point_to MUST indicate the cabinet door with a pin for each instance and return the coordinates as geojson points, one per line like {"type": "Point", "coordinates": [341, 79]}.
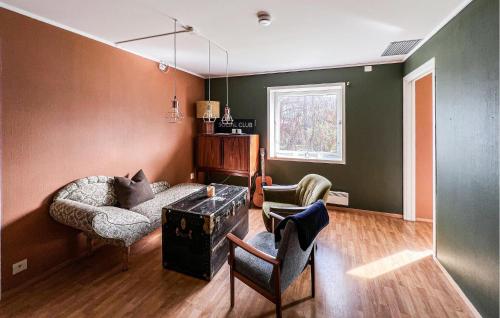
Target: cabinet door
{"type": "Point", "coordinates": [209, 152]}
{"type": "Point", "coordinates": [236, 153]}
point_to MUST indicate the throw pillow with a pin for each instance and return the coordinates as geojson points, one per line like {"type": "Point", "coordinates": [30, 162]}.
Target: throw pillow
{"type": "Point", "coordinates": [131, 192]}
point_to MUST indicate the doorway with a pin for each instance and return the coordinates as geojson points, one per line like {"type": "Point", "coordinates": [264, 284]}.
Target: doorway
{"type": "Point", "coordinates": [419, 146]}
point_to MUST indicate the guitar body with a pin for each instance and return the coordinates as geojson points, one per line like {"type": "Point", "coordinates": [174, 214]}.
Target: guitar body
{"type": "Point", "coordinates": [258, 196]}
{"type": "Point", "coordinates": [263, 180]}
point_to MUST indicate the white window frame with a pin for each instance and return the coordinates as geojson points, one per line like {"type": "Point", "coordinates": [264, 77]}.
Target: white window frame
{"type": "Point", "coordinates": [273, 92]}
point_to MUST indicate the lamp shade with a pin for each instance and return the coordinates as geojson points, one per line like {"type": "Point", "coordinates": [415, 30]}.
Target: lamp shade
{"type": "Point", "coordinates": [201, 108]}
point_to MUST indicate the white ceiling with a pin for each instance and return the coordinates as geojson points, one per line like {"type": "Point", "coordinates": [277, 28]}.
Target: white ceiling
{"type": "Point", "coordinates": [304, 34]}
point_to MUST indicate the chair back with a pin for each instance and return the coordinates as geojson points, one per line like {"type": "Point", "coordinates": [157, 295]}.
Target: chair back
{"type": "Point", "coordinates": [312, 188]}
{"type": "Point", "coordinates": [293, 258]}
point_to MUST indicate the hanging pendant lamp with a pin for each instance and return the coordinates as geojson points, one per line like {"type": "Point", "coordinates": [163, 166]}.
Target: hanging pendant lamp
{"type": "Point", "coordinates": [209, 116]}
{"type": "Point", "coordinates": [175, 115]}
{"type": "Point", "coordinates": [227, 119]}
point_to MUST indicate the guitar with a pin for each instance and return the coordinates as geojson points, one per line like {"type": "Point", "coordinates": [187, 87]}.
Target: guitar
{"type": "Point", "coordinates": [263, 180]}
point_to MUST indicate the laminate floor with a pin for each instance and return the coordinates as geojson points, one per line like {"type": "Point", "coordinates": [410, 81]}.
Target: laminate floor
{"type": "Point", "coordinates": [368, 265]}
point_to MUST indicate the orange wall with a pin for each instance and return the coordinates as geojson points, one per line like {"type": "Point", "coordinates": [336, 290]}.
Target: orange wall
{"type": "Point", "coordinates": [423, 144]}
{"type": "Point", "coordinates": [73, 107]}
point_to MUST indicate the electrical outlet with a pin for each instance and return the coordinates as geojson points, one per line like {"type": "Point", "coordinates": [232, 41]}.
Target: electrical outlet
{"type": "Point", "coordinates": [192, 175]}
{"type": "Point", "coordinates": [20, 266]}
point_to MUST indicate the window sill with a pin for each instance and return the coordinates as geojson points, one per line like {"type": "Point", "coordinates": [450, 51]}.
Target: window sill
{"type": "Point", "coordinates": [339, 162]}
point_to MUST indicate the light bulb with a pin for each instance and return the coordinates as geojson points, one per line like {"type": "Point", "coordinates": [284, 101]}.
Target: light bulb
{"type": "Point", "coordinates": [208, 116]}
{"type": "Point", "coordinates": [227, 119]}
{"type": "Point", "coordinates": [175, 115]}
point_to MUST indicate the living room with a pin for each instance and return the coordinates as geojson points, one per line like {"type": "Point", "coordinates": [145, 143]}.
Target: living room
{"type": "Point", "coordinates": [257, 159]}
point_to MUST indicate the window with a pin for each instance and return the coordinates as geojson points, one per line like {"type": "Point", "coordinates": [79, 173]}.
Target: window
{"type": "Point", "coordinates": [306, 123]}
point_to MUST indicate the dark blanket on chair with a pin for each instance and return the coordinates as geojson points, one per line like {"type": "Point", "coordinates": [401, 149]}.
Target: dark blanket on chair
{"type": "Point", "coordinates": [309, 223]}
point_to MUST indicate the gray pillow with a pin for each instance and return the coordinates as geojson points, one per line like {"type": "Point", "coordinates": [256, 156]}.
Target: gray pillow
{"type": "Point", "coordinates": [131, 192]}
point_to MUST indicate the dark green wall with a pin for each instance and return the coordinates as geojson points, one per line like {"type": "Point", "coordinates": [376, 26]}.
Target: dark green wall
{"type": "Point", "coordinates": [467, 205]}
{"type": "Point", "coordinates": [373, 174]}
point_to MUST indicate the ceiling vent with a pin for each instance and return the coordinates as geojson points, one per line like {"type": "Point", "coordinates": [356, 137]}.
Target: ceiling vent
{"type": "Point", "coordinates": [400, 47]}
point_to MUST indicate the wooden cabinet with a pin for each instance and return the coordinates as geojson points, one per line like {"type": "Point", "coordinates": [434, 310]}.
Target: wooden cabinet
{"type": "Point", "coordinates": [228, 154]}
{"type": "Point", "coordinates": [209, 152]}
{"type": "Point", "coordinates": [236, 153]}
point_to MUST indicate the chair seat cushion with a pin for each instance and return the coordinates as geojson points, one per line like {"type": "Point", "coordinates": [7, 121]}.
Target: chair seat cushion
{"type": "Point", "coordinates": [253, 267]}
{"type": "Point", "coordinates": [266, 207]}
{"type": "Point", "coordinates": [152, 208]}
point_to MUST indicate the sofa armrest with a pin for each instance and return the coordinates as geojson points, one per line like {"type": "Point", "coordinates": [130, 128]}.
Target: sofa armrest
{"type": "Point", "coordinates": [118, 226]}
{"type": "Point", "coordinates": [122, 226]}
{"type": "Point", "coordinates": [282, 194]}
{"type": "Point", "coordinates": [159, 186]}
{"type": "Point", "coordinates": [75, 214]}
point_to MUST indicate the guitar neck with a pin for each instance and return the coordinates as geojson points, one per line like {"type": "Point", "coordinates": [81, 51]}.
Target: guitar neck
{"type": "Point", "coordinates": [263, 163]}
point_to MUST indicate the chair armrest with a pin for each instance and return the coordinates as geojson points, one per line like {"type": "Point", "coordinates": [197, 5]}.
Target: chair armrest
{"type": "Point", "coordinates": [234, 240]}
{"type": "Point", "coordinates": [287, 210]}
{"type": "Point", "coordinates": [275, 216]}
{"type": "Point", "coordinates": [278, 193]}
{"type": "Point", "coordinates": [277, 187]}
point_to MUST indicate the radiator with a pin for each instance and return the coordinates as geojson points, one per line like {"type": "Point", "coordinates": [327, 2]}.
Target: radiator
{"type": "Point", "coordinates": [338, 198]}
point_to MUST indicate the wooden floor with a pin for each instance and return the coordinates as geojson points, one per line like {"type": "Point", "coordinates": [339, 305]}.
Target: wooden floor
{"type": "Point", "coordinates": [367, 266]}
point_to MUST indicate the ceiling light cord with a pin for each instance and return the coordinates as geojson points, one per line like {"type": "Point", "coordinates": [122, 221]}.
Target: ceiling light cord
{"type": "Point", "coordinates": [175, 58]}
{"type": "Point", "coordinates": [209, 116]}
{"type": "Point", "coordinates": [209, 71]}
{"type": "Point", "coordinates": [175, 115]}
{"type": "Point", "coordinates": [227, 119]}
{"type": "Point", "coordinates": [227, 79]}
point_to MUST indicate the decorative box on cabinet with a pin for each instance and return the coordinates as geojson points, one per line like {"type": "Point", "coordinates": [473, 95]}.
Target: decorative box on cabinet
{"type": "Point", "coordinates": [235, 155]}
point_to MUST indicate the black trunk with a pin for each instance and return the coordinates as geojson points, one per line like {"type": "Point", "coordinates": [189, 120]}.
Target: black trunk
{"type": "Point", "coordinates": [195, 228]}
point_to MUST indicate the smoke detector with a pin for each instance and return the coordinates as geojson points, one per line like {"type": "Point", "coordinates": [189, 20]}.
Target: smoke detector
{"type": "Point", "coordinates": [264, 18]}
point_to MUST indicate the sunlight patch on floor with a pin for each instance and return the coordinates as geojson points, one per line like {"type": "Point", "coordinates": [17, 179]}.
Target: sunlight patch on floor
{"type": "Point", "coordinates": [388, 264]}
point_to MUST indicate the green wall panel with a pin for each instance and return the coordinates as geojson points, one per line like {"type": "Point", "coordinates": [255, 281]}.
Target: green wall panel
{"type": "Point", "coordinates": [466, 52]}
{"type": "Point", "coordinates": [373, 173]}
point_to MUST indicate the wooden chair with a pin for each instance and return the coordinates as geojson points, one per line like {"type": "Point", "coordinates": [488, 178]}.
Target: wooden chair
{"type": "Point", "coordinates": [268, 270]}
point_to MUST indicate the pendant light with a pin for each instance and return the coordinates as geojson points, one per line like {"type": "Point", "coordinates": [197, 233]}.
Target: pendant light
{"type": "Point", "coordinates": [208, 116]}
{"type": "Point", "coordinates": [175, 115]}
{"type": "Point", "coordinates": [227, 119]}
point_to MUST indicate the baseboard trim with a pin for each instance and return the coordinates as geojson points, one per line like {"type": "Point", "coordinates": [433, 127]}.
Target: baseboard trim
{"type": "Point", "coordinates": [423, 220]}
{"type": "Point", "coordinates": [457, 288]}
{"type": "Point", "coordinates": [350, 210]}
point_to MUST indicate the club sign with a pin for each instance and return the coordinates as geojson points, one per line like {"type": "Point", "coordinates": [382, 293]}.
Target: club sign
{"type": "Point", "coordinates": [247, 126]}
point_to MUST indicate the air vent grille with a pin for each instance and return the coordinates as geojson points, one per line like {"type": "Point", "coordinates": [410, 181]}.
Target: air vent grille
{"type": "Point", "coordinates": [400, 47]}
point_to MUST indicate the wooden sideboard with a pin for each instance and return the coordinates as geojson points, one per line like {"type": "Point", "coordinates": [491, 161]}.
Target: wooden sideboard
{"type": "Point", "coordinates": [236, 155]}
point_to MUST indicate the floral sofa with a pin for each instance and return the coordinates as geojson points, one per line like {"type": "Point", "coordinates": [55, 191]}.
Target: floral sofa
{"type": "Point", "coordinates": [90, 205]}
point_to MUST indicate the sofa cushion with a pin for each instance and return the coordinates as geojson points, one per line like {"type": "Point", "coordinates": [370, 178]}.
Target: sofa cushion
{"type": "Point", "coordinates": [152, 208]}
{"type": "Point", "coordinates": [131, 192]}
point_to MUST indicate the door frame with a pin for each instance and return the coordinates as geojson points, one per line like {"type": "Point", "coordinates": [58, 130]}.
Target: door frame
{"type": "Point", "coordinates": [409, 158]}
